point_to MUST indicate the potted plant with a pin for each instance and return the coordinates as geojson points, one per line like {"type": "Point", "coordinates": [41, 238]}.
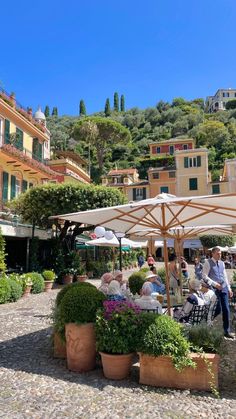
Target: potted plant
{"type": "Point", "coordinates": [49, 277]}
{"type": "Point", "coordinates": [81, 274]}
{"type": "Point", "coordinates": [116, 326]}
{"type": "Point", "coordinates": [68, 275]}
{"type": "Point", "coordinates": [26, 285]}
{"type": "Point", "coordinates": [77, 313]}
{"type": "Point", "coordinates": [166, 359]}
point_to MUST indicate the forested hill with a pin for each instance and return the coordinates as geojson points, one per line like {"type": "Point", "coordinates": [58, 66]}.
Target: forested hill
{"type": "Point", "coordinates": [180, 118]}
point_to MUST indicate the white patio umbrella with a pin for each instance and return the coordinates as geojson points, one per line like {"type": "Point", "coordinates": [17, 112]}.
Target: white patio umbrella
{"type": "Point", "coordinates": [162, 212]}
{"type": "Point", "coordinates": [102, 241]}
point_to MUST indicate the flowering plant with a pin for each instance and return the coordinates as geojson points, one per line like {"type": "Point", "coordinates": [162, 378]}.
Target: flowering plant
{"type": "Point", "coordinates": [116, 327]}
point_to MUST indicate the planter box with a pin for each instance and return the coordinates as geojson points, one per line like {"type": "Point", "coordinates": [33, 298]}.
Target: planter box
{"type": "Point", "coordinates": [80, 347]}
{"type": "Point", "coordinates": [160, 372]}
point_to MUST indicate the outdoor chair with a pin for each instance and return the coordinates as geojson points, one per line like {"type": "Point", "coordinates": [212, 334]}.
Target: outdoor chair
{"type": "Point", "coordinates": [198, 314]}
{"type": "Point", "coordinates": [150, 310]}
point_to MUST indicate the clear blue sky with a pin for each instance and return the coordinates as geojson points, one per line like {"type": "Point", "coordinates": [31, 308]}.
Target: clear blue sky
{"type": "Point", "coordinates": [57, 52]}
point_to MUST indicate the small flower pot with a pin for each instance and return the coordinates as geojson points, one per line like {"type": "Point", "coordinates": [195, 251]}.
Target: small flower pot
{"type": "Point", "coordinates": [68, 279]}
{"type": "Point", "coordinates": [116, 367]}
{"type": "Point", "coordinates": [48, 286]}
{"type": "Point", "coordinates": [81, 278]}
{"type": "Point", "coordinates": [27, 291]}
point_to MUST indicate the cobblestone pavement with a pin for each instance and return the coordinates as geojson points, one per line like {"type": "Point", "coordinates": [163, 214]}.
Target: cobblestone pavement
{"type": "Point", "coordinates": [34, 385]}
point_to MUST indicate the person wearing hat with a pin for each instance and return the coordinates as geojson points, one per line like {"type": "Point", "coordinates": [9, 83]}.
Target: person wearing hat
{"type": "Point", "coordinates": [157, 284]}
{"type": "Point", "coordinates": [105, 281]}
{"type": "Point", "coordinates": [195, 298]}
{"type": "Point", "coordinates": [114, 291]}
{"type": "Point", "coordinates": [118, 276]}
{"type": "Point", "coordinates": [146, 302]}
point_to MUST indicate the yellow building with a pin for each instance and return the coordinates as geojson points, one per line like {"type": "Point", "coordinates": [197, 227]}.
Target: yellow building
{"type": "Point", "coordinates": [71, 167]}
{"type": "Point", "coordinates": [128, 182]}
{"type": "Point", "coordinates": [162, 180]}
{"type": "Point", "coordinates": [24, 147]}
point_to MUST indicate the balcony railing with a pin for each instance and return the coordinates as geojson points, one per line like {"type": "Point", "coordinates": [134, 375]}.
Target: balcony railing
{"type": "Point", "coordinates": [24, 150]}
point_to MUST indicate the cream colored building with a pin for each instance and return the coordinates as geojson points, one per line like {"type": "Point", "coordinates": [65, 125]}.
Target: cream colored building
{"type": "Point", "coordinates": [218, 101]}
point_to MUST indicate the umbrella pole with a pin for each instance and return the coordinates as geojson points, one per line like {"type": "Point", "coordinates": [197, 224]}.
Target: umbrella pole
{"type": "Point", "coordinates": [167, 275]}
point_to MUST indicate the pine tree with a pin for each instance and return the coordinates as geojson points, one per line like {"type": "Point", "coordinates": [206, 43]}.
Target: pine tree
{"type": "Point", "coordinates": [47, 111]}
{"type": "Point", "coordinates": [107, 109]}
{"type": "Point", "coordinates": [122, 103]}
{"type": "Point", "coordinates": [54, 111]}
{"type": "Point", "coordinates": [82, 108]}
{"type": "Point", "coordinates": [116, 102]}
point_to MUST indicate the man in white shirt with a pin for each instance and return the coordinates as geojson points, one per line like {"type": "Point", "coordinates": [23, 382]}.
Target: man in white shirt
{"type": "Point", "coordinates": [214, 275]}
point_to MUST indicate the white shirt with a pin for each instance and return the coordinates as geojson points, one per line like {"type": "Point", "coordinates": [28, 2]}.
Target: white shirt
{"type": "Point", "coordinates": [146, 302]}
{"type": "Point", "coordinates": [205, 272]}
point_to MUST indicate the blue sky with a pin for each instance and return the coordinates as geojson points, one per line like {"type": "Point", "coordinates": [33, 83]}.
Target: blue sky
{"type": "Point", "coordinates": [57, 52]}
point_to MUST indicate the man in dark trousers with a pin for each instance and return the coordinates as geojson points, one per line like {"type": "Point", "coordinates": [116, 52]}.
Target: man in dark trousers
{"type": "Point", "coordinates": [214, 274]}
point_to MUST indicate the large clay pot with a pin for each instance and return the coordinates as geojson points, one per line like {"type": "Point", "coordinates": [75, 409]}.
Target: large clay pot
{"type": "Point", "coordinates": [68, 279]}
{"type": "Point", "coordinates": [27, 291]}
{"type": "Point", "coordinates": [160, 372]}
{"type": "Point", "coordinates": [81, 278]}
{"type": "Point", "coordinates": [59, 346]}
{"type": "Point", "coordinates": [116, 367]}
{"type": "Point", "coordinates": [48, 286]}
{"type": "Point", "coordinates": [80, 347]}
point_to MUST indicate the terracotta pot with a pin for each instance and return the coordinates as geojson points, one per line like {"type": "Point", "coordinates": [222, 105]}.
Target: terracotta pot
{"type": "Point", "coordinates": [59, 346]}
{"type": "Point", "coordinates": [80, 347]}
{"type": "Point", "coordinates": [160, 372]}
{"type": "Point", "coordinates": [81, 278]}
{"type": "Point", "coordinates": [68, 279]}
{"type": "Point", "coordinates": [48, 286]}
{"type": "Point", "coordinates": [27, 291]}
{"type": "Point", "coordinates": [116, 367]}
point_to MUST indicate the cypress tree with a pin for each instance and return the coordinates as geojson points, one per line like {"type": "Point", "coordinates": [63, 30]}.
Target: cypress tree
{"type": "Point", "coordinates": [47, 111]}
{"type": "Point", "coordinates": [54, 111]}
{"type": "Point", "coordinates": [82, 108]}
{"type": "Point", "coordinates": [107, 109]}
{"type": "Point", "coordinates": [116, 102]}
{"type": "Point", "coordinates": [122, 103]}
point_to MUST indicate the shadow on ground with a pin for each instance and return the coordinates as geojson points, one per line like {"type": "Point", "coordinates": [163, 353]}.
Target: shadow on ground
{"type": "Point", "coordinates": [32, 353]}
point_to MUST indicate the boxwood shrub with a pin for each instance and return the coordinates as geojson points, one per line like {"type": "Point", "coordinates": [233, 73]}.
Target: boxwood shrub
{"type": "Point", "coordinates": [136, 281]}
{"type": "Point", "coordinates": [16, 289]}
{"type": "Point", "coordinates": [37, 282]}
{"type": "Point", "coordinates": [65, 288]}
{"type": "Point", "coordinates": [5, 290]}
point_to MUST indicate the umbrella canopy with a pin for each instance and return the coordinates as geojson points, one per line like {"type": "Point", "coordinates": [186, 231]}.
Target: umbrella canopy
{"type": "Point", "coordinates": [102, 241]}
{"type": "Point", "coordinates": [163, 213]}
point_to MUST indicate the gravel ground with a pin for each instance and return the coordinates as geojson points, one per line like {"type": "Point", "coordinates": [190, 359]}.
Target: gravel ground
{"type": "Point", "coordinates": [34, 385]}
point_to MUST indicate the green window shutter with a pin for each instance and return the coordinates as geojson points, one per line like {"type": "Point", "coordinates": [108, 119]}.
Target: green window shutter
{"type": "Point", "coordinates": [144, 193]}
{"type": "Point", "coordinates": [215, 189]}
{"type": "Point", "coordinates": [7, 132]}
{"type": "Point", "coordinates": [5, 178]}
{"type": "Point", "coordinates": [199, 161]}
{"type": "Point", "coordinates": [186, 162]}
{"type": "Point", "coordinates": [164, 189]}
{"type": "Point", "coordinates": [24, 185]}
{"type": "Point", "coordinates": [40, 151]}
{"type": "Point", "coordinates": [193, 184]}
{"type": "Point", "coordinates": [134, 194]}
{"type": "Point", "coordinates": [13, 186]}
{"type": "Point", "coordinates": [19, 139]}
{"type": "Point", "coordinates": [35, 148]}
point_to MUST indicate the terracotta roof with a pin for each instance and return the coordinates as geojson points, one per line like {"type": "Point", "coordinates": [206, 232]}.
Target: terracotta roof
{"type": "Point", "coordinates": [122, 172]}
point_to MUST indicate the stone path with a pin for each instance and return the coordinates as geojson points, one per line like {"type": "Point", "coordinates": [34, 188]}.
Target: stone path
{"type": "Point", "coordinates": [34, 385]}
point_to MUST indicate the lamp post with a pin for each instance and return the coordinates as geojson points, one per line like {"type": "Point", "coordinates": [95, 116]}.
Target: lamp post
{"type": "Point", "coordinates": [119, 236]}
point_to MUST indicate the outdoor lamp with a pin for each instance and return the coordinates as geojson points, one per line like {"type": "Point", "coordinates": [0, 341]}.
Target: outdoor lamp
{"type": "Point", "coordinates": [109, 235]}
{"type": "Point", "coordinates": [119, 236]}
{"type": "Point", "coordinates": [99, 231]}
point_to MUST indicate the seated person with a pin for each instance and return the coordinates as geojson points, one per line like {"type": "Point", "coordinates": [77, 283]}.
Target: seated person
{"type": "Point", "coordinates": [114, 291]}
{"type": "Point", "coordinates": [210, 300]}
{"type": "Point", "coordinates": [155, 280]}
{"type": "Point", "coordinates": [118, 276]}
{"type": "Point", "coordinates": [195, 298]}
{"type": "Point", "coordinates": [105, 281]}
{"type": "Point", "coordinates": [146, 302]}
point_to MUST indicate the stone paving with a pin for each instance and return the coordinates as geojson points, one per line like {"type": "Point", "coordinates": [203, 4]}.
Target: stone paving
{"type": "Point", "coordinates": [34, 385]}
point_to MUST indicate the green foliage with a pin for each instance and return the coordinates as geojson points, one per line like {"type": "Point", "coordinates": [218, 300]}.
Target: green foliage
{"type": "Point", "coordinates": [37, 282]}
{"type": "Point", "coordinates": [122, 103]}
{"type": "Point", "coordinates": [79, 304]}
{"type": "Point", "coordinates": [205, 338]}
{"type": "Point", "coordinates": [82, 108]}
{"type": "Point", "coordinates": [165, 337]}
{"type": "Point", "coordinates": [231, 104]}
{"type": "Point", "coordinates": [48, 275]}
{"type": "Point", "coordinates": [212, 241]}
{"type": "Point", "coordinates": [161, 272]}
{"type": "Point", "coordinates": [54, 111]}
{"type": "Point", "coordinates": [136, 281]}
{"type": "Point", "coordinates": [2, 253]}
{"type": "Point", "coordinates": [47, 111]}
{"type": "Point", "coordinates": [116, 102]}
{"type": "Point", "coordinates": [234, 276]}
{"type": "Point", "coordinates": [65, 288]}
{"type": "Point", "coordinates": [116, 327]}
{"type": "Point", "coordinates": [107, 109]}
{"type": "Point", "coordinates": [63, 198]}
{"type": "Point", "coordinates": [5, 290]}
{"type": "Point", "coordinates": [25, 281]}
{"type": "Point", "coordinates": [16, 287]}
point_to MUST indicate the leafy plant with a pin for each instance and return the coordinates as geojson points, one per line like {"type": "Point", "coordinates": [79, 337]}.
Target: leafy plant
{"type": "Point", "coordinates": [49, 275]}
{"type": "Point", "coordinates": [16, 289]}
{"type": "Point", "coordinates": [136, 281]}
{"type": "Point", "coordinates": [2, 252]}
{"type": "Point", "coordinates": [26, 281]}
{"type": "Point", "coordinates": [165, 337]}
{"type": "Point", "coordinates": [207, 339]}
{"type": "Point", "coordinates": [234, 276]}
{"type": "Point", "coordinates": [36, 280]}
{"type": "Point", "coordinates": [5, 290]}
{"type": "Point", "coordinates": [161, 272]}
{"type": "Point", "coordinates": [116, 327]}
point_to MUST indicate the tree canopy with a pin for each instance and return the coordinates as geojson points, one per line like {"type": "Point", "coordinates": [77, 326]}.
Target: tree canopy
{"type": "Point", "coordinates": [212, 241]}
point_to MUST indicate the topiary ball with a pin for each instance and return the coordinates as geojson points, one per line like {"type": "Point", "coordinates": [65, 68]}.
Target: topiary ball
{"type": "Point", "coordinates": [64, 290]}
{"type": "Point", "coordinates": [16, 289]}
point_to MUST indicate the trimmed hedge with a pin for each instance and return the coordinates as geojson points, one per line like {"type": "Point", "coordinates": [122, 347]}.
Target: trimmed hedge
{"type": "Point", "coordinates": [37, 282]}
{"type": "Point", "coordinates": [5, 290]}
{"type": "Point", "coordinates": [16, 289]}
{"type": "Point", "coordinates": [136, 281]}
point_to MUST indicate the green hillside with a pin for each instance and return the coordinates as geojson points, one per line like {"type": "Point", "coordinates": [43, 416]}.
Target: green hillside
{"type": "Point", "coordinates": [180, 118]}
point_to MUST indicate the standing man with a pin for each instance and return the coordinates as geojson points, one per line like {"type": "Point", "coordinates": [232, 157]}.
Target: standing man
{"type": "Point", "coordinates": [214, 275]}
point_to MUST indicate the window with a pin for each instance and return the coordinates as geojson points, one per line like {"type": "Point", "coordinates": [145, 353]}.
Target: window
{"type": "Point", "coordinates": [223, 94]}
{"type": "Point", "coordinates": [164, 189]}
{"type": "Point", "coordinates": [155, 175]}
{"type": "Point", "coordinates": [158, 150]}
{"type": "Point", "coordinates": [171, 149]}
{"type": "Point", "coordinates": [5, 178]}
{"type": "Point", "coordinates": [19, 139]}
{"type": "Point", "coordinates": [18, 187]}
{"type": "Point", "coordinates": [227, 94]}
{"type": "Point", "coordinates": [234, 94]}
{"type": "Point", "coordinates": [24, 185]}
{"type": "Point", "coordinates": [215, 189]}
{"type": "Point", "coordinates": [185, 147]}
{"type": "Point", "coordinates": [193, 184]}
{"type": "Point", "coordinates": [139, 194]}
{"type": "Point", "coordinates": [171, 174]}
{"type": "Point", "coordinates": [192, 161]}
{"type": "Point", "coordinates": [13, 187]}
{"type": "Point", "coordinates": [37, 150]}
{"type": "Point", "coordinates": [7, 132]}
{"type": "Point", "coordinates": [31, 185]}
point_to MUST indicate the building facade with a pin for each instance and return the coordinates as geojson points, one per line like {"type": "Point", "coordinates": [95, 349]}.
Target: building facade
{"type": "Point", "coordinates": [128, 182]}
{"type": "Point", "coordinates": [218, 101]}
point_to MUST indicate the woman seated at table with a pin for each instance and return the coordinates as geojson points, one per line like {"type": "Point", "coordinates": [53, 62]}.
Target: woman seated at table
{"type": "Point", "coordinates": [114, 291]}
{"type": "Point", "coordinates": [105, 281]}
{"type": "Point", "coordinates": [195, 298]}
{"type": "Point", "coordinates": [155, 280]}
{"type": "Point", "coordinates": [146, 302]}
{"type": "Point", "coordinates": [118, 276]}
